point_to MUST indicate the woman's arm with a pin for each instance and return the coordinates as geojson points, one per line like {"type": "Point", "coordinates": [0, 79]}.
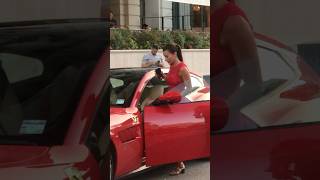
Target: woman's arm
{"type": "Point", "coordinates": [238, 36]}
{"type": "Point", "coordinates": [185, 76]}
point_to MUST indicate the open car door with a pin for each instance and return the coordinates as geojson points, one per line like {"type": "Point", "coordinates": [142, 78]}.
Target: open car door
{"type": "Point", "coordinates": [177, 132]}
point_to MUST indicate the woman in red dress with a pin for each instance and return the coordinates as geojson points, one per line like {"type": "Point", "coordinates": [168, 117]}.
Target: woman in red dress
{"type": "Point", "coordinates": [234, 55]}
{"type": "Point", "coordinates": [178, 78]}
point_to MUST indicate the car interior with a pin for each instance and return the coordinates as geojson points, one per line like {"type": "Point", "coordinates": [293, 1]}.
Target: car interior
{"type": "Point", "coordinates": [155, 88]}
{"type": "Point", "coordinates": [150, 94]}
{"type": "Point", "coordinates": [124, 83]}
{"type": "Point", "coordinates": [53, 100]}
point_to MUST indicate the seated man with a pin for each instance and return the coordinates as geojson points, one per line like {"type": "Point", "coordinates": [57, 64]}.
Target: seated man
{"type": "Point", "coordinates": [152, 59]}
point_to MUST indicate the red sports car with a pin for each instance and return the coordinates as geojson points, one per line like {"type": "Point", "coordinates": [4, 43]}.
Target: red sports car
{"type": "Point", "coordinates": [276, 134]}
{"type": "Point", "coordinates": [53, 100]}
{"type": "Point", "coordinates": [145, 131]}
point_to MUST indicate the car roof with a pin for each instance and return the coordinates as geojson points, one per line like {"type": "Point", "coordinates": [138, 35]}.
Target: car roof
{"type": "Point", "coordinates": [50, 22]}
{"type": "Point", "coordinates": [56, 38]}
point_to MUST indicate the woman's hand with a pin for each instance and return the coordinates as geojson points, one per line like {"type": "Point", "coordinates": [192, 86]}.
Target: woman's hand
{"type": "Point", "coordinates": [160, 74]}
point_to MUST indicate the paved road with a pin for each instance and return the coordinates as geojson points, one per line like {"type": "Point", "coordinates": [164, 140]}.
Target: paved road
{"type": "Point", "coordinates": [196, 170]}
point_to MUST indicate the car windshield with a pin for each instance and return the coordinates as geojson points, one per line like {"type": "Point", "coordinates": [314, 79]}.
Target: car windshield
{"type": "Point", "coordinates": [124, 83]}
{"type": "Point", "coordinates": [43, 71]}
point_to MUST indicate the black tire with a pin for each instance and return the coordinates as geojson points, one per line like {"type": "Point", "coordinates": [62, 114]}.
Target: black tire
{"type": "Point", "coordinates": [107, 164]}
{"type": "Point", "coordinates": [111, 166]}
{"type": "Point", "coordinates": [104, 156]}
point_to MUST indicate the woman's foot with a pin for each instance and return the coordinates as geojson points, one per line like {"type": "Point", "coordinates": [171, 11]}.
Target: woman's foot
{"type": "Point", "coordinates": [180, 169]}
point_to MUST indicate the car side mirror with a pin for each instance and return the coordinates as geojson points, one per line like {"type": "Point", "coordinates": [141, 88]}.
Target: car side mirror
{"type": "Point", "coordinates": [170, 97]}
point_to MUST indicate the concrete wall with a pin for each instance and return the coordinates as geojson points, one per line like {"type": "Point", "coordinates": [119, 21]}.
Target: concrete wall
{"type": "Point", "coordinates": [22, 10]}
{"type": "Point", "coordinates": [291, 21]}
{"type": "Point", "coordinates": [198, 60]}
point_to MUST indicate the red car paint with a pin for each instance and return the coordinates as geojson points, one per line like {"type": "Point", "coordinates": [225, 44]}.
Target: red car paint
{"type": "Point", "coordinates": [286, 142]}
{"type": "Point", "coordinates": [163, 134]}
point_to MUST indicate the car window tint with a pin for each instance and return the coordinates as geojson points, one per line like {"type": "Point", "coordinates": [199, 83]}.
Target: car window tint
{"type": "Point", "coordinates": [44, 69]}
{"type": "Point", "coordinates": [28, 67]}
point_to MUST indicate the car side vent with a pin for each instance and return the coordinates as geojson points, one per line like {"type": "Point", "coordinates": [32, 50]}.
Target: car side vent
{"type": "Point", "coordinates": [128, 134]}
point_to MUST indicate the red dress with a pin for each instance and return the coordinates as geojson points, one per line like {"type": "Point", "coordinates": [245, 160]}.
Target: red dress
{"type": "Point", "coordinates": [225, 77]}
{"type": "Point", "coordinates": [173, 79]}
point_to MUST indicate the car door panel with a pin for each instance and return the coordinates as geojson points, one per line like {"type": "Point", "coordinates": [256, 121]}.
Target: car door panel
{"type": "Point", "coordinates": [177, 132]}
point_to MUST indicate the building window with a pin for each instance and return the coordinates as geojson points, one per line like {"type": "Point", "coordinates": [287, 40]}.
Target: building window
{"type": "Point", "coordinates": [200, 16]}
{"type": "Point", "coordinates": [175, 16]}
{"type": "Point", "coordinates": [142, 12]}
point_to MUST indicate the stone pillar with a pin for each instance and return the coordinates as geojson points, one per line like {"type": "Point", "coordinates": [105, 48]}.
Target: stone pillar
{"type": "Point", "coordinates": [155, 10]}
{"type": "Point", "coordinates": [152, 13]}
{"type": "Point", "coordinates": [127, 13]}
{"type": "Point", "coordinates": [130, 14]}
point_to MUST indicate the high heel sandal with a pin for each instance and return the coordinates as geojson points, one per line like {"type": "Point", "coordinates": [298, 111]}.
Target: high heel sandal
{"type": "Point", "coordinates": [177, 171]}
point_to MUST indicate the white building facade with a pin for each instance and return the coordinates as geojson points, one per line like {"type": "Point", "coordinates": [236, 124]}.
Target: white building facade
{"type": "Point", "coordinates": [160, 14]}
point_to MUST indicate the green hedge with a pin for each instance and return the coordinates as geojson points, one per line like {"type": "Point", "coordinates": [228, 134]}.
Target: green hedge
{"type": "Point", "coordinates": [129, 39]}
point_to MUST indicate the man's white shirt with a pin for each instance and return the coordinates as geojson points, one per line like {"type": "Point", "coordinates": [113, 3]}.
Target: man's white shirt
{"type": "Point", "coordinates": [152, 58]}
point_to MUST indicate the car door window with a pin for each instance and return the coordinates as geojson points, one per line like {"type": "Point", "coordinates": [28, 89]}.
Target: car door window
{"type": "Point", "coordinates": [196, 96]}
{"type": "Point", "coordinates": [274, 69]}
{"type": "Point", "coordinates": [195, 82]}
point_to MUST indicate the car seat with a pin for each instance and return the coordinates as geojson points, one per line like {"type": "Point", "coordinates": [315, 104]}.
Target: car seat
{"type": "Point", "coordinates": [151, 95]}
{"type": "Point", "coordinates": [57, 101]}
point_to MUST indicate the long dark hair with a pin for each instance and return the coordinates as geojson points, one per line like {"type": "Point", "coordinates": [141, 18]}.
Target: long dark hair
{"type": "Point", "coordinates": [174, 48]}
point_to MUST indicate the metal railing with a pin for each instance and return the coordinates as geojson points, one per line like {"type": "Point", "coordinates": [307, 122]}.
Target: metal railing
{"type": "Point", "coordinates": [185, 22]}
